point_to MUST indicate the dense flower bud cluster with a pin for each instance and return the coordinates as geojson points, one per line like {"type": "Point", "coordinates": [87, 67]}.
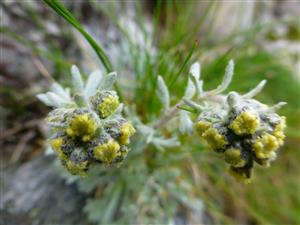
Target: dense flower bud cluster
{"type": "Point", "coordinates": [88, 127]}
{"type": "Point", "coordinates": [86, 140]}
{"type": "Point", "coordinates": [242, 131]}
{"type": "Point", "coordinates": [105, 103]}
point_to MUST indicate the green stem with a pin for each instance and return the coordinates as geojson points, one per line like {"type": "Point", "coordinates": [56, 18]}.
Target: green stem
{"type": "Point", "coordinates": [59, 8]}
{"type": "Point", "coordinates": [62, 11]}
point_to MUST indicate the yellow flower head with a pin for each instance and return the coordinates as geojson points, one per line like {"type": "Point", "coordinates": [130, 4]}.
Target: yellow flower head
{"type": "Point", "coordinates": [279, 130]}
{"type": "Point", "coordinates": [245, 123]}
{"type": "Point", "coordinates": [108, 105]}
{"type": "Point", "coordinates": [214, 138]}
{"type": "Point", "coordinates": [77, 168]}
{"type": "Point", "coordinates": [127, 130]}
{"type": "Point", "coordinates": [56, 145]}
{"type": "Point", "coordinates": [82, 126]}
{"type": "Point", "coordinates": [233, 157]}
{"type": "Point", "coordinates": [202, 126]}
{"type": "Point", "coordinates": [107, 152]}
{"type": "Point", "coordinates": [264, 145]}
{"type": "Point", "coordinates": [240, 176]}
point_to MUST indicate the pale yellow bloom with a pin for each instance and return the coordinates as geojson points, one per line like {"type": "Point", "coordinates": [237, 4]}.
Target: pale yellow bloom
{"type": "Point", "coordinates": [245, 123]}
{"type": "Point", "coordinates": [127, 130]}
{"type": "Point", "coordinates": [56, 146]}
{"type": "Point", "coordinates": [82, 126]}
{"type": "Point", "coordinates": [214, 138]}
{"type": "Point", "coordinates": [108, 106]}
{"type": "Point", "coordinates": [107, 152]}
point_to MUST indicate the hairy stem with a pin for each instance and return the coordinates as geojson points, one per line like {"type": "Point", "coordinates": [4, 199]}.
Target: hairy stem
{"type": "Point", "coordinates": [171, 113]}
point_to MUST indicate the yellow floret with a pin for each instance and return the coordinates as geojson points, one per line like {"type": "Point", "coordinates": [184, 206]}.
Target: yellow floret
{"type": "Point", "coordinates": [127, 130]}
{"type": "Point", "coordinates": [214, 138]}
{"type": "Point", "coordinates": [56, 146]}
{"type": "Point", "coordinates": [77, 168]}
{"type": "Point", "coordinates": [245, 123]}
{"type": "Point", "coordinates": [107, 152]}
{"type": "Point", "coordinates": [264, 145]}
{"type": "Point", "coordinates": [202, 126]}
{"type": "Point", "coordinates": [240, 177]}
{"type": "Point", "coordinates": [108, 106]}
{"type": "Point", "coordinates": [233, 157]}
{"type": "Point", "coordinates": [83, 127]}
{"type": "Point", "coordinates": [279, 130]}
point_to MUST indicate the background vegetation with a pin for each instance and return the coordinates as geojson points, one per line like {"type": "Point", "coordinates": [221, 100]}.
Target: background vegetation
{"type": "Point", "coordinates": [182, 185]}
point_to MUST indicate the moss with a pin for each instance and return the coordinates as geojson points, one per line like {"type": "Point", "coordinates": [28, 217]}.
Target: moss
{"type": "Point", "coordinates": [82, 127]}
{"type": "Point", "coordinates": [107, 152]}
{"type": "Point", "coordinates": [245, 123]}
{"type": "Point", "coordinates": [127, 130]}
{"type": "Point", "coordinates": [214, 138]}
{"type": "Point", "coordinates": [108, 106]}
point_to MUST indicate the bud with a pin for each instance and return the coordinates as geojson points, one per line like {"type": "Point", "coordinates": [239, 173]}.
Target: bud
{"type": "Point", "coordinates": [243, 131]}
{"type": "Point", "coordinates": [76, 168]}
{"type": "Point", "coordinates": [106, 151]}
{"type": "Point", "coordinates": [121, 130]}
{"type": "Point", "coordinates": [81, 126]}
{"type": "Point", "coordinates": [105, 103]}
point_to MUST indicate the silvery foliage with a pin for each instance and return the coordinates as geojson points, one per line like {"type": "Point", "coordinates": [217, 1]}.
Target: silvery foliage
{"type": "Point", "coordinates": [150, 132]}
{"type": "Point", "coordinates": [211, 100]}
{"type": "Point", "coordinates": [60, 98]}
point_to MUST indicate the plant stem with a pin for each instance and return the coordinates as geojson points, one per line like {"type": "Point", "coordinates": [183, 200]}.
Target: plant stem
{"type": "Point", "coordinates": [168, 116]}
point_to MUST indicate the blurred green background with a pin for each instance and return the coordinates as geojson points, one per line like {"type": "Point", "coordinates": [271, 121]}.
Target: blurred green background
{"type": "Point", "coordinates": [184, 185]}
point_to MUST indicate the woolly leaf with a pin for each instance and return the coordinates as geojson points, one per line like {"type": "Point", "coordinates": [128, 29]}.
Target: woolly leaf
{"type": "Point", "coordinates": [58, 89]}
{"type": "Point", "coordinates": [76, 79]}
{"type": "Point", "coordinates": [195, 70]}
{"type": "Point", "coordinates": [92, 83]}
{"type": "Point", "coordinates": [255, 90]}
{"type": "Point", "coordinates": [185, 123]}
{"type": "Point", "coordinates": [227, 78]}
{"type": "Point", "coordinates": [108, 81]}
{"type": "Point", "coordinates": [161, 143]}
{"type": "Point", "coordinates": [44, 98]}
{"type": "Point", "coordinates": [56, 99]}
{"type": "Point", "coordinates": [163, 93]}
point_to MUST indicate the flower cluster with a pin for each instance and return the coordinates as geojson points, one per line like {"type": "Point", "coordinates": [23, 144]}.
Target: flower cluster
{"type": "Point", "coordinates": [246, 131]}
{"type": "Point", "coordinates": [240, 129]}
{"type": "Point", "coordinates": [89, 129]}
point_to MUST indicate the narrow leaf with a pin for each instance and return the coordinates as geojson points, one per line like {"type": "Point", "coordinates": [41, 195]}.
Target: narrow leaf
{"type": "Point", "coordinates": [59, 8]}
{"type": "Point", "coordinates": [227, 78]}
{"type": "Point", "coordinates": [163, 93]}
{"type": "Point", "coordinates": [108, 81]}
{"type": "Point", "coordinates": [58, 89]}
{"type": "Point", "coordinates": [185, 123]}
{"type": "Point", "coordinates": [183, 65]}
{"type": "Point", "coordinates": [56, 100]}
{"type": "Point", "coordinates": [44, 98]}
{"type": "Point", "coordinates": [92, 83]}
{"type": "Point", "coordinates": [255, 90]}
{"type": "Point", "coordinates": [162, 143]}
{"type": "Point", "coordinates": [195, 70]}
{"type": "Point", "coordinates": [76, 79]}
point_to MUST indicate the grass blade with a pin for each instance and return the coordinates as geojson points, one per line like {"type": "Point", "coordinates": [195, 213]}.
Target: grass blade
{"type": "Point", "coordinates": [63, 12]}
